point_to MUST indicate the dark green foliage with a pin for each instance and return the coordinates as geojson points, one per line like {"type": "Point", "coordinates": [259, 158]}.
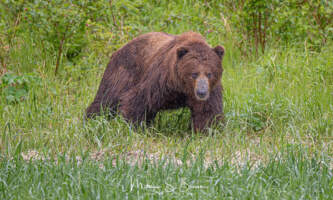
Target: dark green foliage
{"type": "Point", "coordinates": [61, 26]}
{"type": "Point", "coordinates": [16, 88]}
{"type": "Point", "coordinates": [261, 23]}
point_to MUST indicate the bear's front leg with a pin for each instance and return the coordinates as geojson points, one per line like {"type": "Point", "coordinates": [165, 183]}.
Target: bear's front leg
{"type": "Point", "coordinates": [204, 113]}
{"type": "Point", "coordinates": [132, 107]}
{"type": "Point", "coordinates": [202, 120]}
{"type": "Point", "coordinates": [135, 107]}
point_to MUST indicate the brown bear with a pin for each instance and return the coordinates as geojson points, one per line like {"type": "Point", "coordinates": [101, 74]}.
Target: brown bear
{"type": "Point", "coordinates": [158, 71]}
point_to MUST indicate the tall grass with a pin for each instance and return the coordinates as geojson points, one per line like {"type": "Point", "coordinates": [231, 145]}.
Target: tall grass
{"type": "Point", "coordinates": [292, 176]}
{"type": "Point", "coordinates": [286, 93]}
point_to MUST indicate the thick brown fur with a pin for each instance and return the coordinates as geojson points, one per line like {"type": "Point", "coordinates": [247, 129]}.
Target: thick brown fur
{"type": "Point", "coordinates": [157, 71]}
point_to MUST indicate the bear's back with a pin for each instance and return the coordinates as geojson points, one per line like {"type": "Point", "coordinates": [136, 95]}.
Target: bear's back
{"type": "Point", "coordinates": [154, 47]}
{"type": "Point", "coordinates": [152, 44]}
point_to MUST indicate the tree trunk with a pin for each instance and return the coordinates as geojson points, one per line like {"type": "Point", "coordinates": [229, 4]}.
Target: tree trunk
{"type": "Point", "coordinates": [59, 54]}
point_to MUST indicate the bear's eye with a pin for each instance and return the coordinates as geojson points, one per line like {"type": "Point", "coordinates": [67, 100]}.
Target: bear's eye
{"type": "Point", "coordinates": [209, 75]}
{"type": "Point", "coordinates": [195, 75]}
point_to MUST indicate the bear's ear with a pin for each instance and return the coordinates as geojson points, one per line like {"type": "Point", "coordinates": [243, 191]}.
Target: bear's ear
{"type": "Point", "coordinates": [181, 51]}
{"type": "Point", "coordinates": [219, 50]}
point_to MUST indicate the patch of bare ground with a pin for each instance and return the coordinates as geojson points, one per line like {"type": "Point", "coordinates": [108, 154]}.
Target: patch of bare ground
{"type": "Point", "coordinates": [137, 157]}
{"type": "Point", "coordinates": [238, 157]}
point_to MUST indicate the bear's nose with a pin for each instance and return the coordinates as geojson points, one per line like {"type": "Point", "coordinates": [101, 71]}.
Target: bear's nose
{"type": "Point", "coordinates": [201, 93]}
{"type": "Point", "coordinates": [201, 89]}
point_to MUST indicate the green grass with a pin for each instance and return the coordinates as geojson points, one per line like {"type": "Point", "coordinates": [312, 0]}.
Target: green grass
{"type": "Point", "coordinates": [293, 175]}
{"type": "Point", "coordinates": [278, 110]}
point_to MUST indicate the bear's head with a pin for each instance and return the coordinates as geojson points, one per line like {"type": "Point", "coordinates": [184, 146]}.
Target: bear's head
{"type": "Point", "coordinates": [199, 69]}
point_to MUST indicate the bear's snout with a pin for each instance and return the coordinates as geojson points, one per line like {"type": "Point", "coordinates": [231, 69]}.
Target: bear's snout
{"type": "Point", "coordinates": [202, 89]}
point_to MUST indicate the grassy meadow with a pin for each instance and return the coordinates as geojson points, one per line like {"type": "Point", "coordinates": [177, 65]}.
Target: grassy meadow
{"type": "Point", "coordinates": [276, 142]}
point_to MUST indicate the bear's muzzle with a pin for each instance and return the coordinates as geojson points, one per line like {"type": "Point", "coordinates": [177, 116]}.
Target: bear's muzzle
{"type": "Point", "coordinates": [202, 89]}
